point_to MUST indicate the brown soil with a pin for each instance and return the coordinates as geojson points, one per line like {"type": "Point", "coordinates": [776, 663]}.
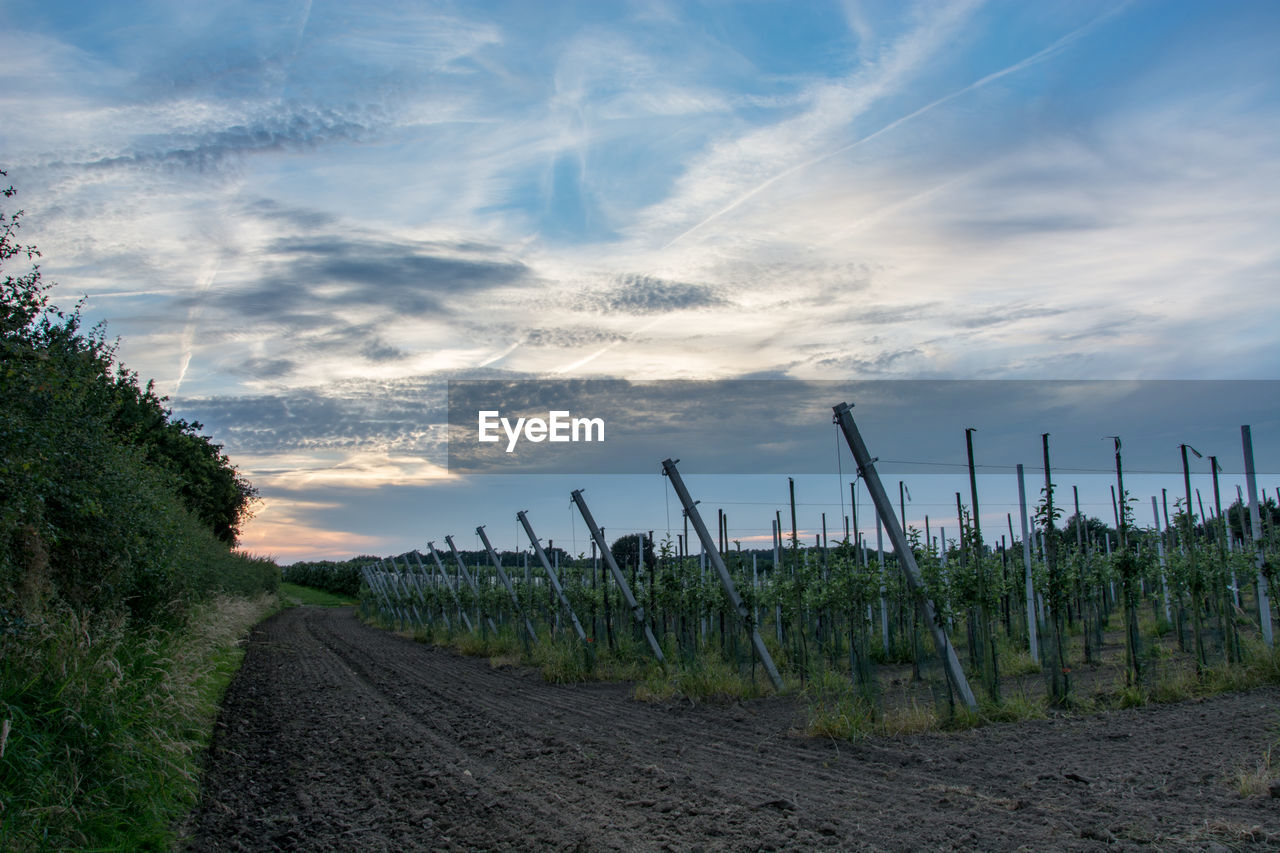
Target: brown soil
{"type": "Point", "coordinates": [338, 736]}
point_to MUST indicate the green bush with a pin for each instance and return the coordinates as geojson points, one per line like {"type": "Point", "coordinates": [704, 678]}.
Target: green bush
{"type": "Point", "coordinates": [340, 578]}
{"type": "Point", "coordinates": [107, 501]}
{"type": "Point", "coordinates": [116, 527]}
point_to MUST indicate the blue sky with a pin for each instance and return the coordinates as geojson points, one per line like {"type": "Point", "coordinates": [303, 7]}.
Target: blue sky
{"type": "Point", "coordinates": [303, 218]}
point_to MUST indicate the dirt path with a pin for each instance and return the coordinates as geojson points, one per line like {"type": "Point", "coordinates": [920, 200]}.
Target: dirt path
{"type": "Point", "coordinates": [336, 736]}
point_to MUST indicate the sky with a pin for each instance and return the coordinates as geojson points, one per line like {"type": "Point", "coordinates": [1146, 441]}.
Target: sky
{"type": "Point", "coordinates": [303, 219]}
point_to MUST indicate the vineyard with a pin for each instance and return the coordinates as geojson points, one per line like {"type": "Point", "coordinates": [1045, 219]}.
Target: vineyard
{"type": "Point", "coordinates": [1057, 611]}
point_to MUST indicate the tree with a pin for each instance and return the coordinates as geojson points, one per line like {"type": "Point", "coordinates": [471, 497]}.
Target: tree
{"type": "Point", "coordinates": [625, 548]}
{"type": "Point", "coordinates": [105, 497]}
{"type": "Point", "coordinates": [22, 298]}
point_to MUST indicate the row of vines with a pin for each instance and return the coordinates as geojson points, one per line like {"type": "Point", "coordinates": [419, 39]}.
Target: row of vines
{"type": "Point", "coordinates": [1183, 595]}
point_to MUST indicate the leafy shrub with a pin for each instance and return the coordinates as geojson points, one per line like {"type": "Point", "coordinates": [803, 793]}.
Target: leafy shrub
{"type": "Point", "coordinates": [116, 522]}
{"type": "Point", "coordinates": [340, 578]}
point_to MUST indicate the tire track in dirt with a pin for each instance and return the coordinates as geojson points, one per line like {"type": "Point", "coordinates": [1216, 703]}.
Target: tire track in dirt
{"type": "Point", "coordinates": [337, 736]}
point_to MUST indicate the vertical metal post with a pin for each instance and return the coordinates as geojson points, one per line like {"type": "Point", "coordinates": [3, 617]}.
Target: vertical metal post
{"type": "Point", "coordinates": [1032, 622]}
{"type": "Point", "coordinates": [506, 581]}
{"type": "Point", "coordinates": [884, 599]}
{"type": "Point", "coordinates": [597, 535]}
{"type": "Point", "coordinates": [1255, 521]}
{"type": "Point", "coordinates": [551, 575]}
{"type": "Point", "coordinates": [1230, 635]}
{"type": "Point", "coordinates": [1197, 586]}
{"type": "Point", "coordinates": [1164, 583]}
{"type": "Point", "coordinates": [755, 586]}
{"type": "Point", "coordinates": [987, 653]}
{"type": "Point", "coordinates": [866, 467]}
{"type": "Point", "coordinates": [691, 512]}
{"type": "Point", "coordinates": [774, 574]}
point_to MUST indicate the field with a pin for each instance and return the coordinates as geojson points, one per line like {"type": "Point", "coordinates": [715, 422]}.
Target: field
{"type": "Point", "coordinates": [339, 736]}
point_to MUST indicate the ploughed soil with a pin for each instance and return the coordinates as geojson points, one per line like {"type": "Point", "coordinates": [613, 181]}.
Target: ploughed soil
{"type": "Point", "coordinates": [338, 736]}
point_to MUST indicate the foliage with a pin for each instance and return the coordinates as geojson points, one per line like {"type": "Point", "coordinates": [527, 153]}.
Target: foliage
{"type": "Point", "coordinates": [292, 595]}
{"type": "Point", "coordinates": [105, 496]}
{"type": "Point", "coordinates": [106, 743]}
{"type": "Point", "coordinates": [115, 527]}
{"type": "Point", "coordinates": [625, 549]}
{"type": "Point", "coordinates": [339, 578]}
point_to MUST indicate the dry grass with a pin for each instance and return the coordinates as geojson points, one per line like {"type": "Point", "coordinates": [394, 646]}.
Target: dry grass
{"type": "Point", "coordinates": [1256, 781]}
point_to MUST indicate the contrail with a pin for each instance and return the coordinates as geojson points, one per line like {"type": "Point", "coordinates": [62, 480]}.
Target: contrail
{"type": "Point", "coordinates": [500, 356]}
{"type": "Point", "coordinates": [1034, 58]}
{"type": "Point", "coordinates": [187, 342]}
{"type": "Point", "coordinates": [590, 358]}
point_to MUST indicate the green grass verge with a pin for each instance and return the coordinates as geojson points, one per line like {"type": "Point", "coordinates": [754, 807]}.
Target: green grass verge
{"type": "Point", "coordinates": [705, 677]}
{"type": "Point", "coordinates": [109, 723]}
{"type": "Point", "coordinates": [291, 595]}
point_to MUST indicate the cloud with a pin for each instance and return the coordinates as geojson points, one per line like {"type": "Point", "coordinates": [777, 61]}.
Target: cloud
{"type": "Point", "coordinates": [376, 350]}
{"type": "Point", "coordinates": [322, 274]}
{"type": "Point", "coordinates": [874, 366]}
{"type": "Point", "coordinates": [266, 368]}
{"type": "Point", "coordinates": [403, 417]}
{"type": "Point", "coordinates": [1002, 316]}
{"type": "Point", "coordinates": [268, 128]}
{"type": "Point", "coordinates": [298, 218]}
{"type": "Point", "coordinates": [570, 336]}
{"type": "Point", "coordinates": [886, 315]}
{"type": "Point", "coordinates": [644, 295]}
{"type": "Point", "coordinates": [738, 169]}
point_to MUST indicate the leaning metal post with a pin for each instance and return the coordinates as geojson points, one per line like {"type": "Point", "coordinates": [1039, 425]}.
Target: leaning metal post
{"type": "Point", "coordinates": [506, 581]}
{"type": "Point", "coordinates": [417, 588]}
{"type": "Point", "coordinates": [866, 468]}
{"type": "Point", "coordinates": [713, 554]}
{"type": "Point", "coordinates": [435, 583]}
{"type": "Point", "coordinates": [381, 599]}
{"type": "Point", "coordinates": [551, 575]}
{"type": "Point", "coordinates": [471, 582]}
{"type": "Point", "coordinates": [637, 612]}
{"type": "Point", "coordinates": [431, 546]}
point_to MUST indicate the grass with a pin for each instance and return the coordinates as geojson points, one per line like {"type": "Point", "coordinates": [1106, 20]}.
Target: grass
{"type": "Point", "coordinates": [707, 678]}
{"type": "Point", "coordinates": [566, 660]}
{"type": "Point", "coordinates": [292, 595]}
{"type": "Point", "coordinates": [109, 725]}
{"type": "Point", "coordinates": [1256, 781]}
{"type": "Point", "coordinates": [849, 716]}
{"type": "Point", "coordinates": [1015, 660]}
{"type": "Point", "coordinates": [1261, 666]}
{"type": "Point", "coordinates": [836, 708]}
